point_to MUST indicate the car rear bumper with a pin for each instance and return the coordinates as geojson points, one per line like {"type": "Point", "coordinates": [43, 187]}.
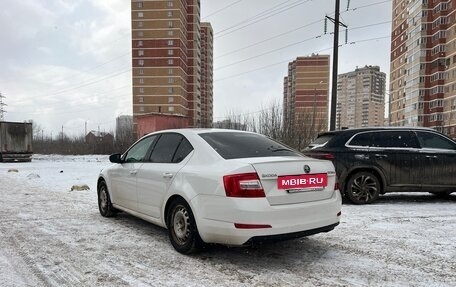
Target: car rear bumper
{"type": "Point", "coordinates": [216, 216]}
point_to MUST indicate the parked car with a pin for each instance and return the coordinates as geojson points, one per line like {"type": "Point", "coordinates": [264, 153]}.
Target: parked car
{"type": "Point", "coordinates": [374, 161]}
{"type": "Point", "coordinates": [221, 186]}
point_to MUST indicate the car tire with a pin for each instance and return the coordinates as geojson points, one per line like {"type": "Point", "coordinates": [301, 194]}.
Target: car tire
{"type": "Point", "coordinates": [182, 229]}
{"type": "Point", "coordinates": [363, 187]}
{"type": "Point", "coordinates": [104, 201]}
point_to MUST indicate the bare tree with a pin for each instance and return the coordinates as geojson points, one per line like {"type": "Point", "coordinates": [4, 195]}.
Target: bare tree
{"type": "Point", "coordinates": [297, 132]}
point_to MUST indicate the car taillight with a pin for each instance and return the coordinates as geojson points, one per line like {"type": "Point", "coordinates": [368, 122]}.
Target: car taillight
{"type": "Point", "coordinates": [328, 156]}
{"type": "Point", "coordinates": [243, 185]}
{"type": "Point", "coordinates": [336, 185]}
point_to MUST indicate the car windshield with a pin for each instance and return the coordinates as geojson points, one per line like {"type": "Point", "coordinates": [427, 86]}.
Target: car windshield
{"type": "Point", "coordinates": [231, 145]}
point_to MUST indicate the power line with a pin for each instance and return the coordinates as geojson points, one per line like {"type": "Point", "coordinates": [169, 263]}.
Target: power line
{"type": "Point", "coordinates": [106, 92]}
{"type": "Point", "coordinates": [299, 28]}
{"type": "Point", "coordinates": [287, 61]}
{"type": "Point", "coordinates": [290, 45]}
{"type": "Point", "coordinates": [87, 51]}
{"type": "Point", "coordinates": [365, 6]}
{"type": "Point", "coordinates": [268, 52]}
{"type": "Point", "coordinates": [221, 9]}
{"type": "Point", "coordinates": [266, 14]}
{"type": "Point", "coordinates": [268, 39]}
{"type": "Point", "coordinates": [83, 84]}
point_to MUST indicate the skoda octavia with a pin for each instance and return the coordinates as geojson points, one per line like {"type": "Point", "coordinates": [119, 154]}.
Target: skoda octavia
{"type": "Point", "coordinates": [221, 186]}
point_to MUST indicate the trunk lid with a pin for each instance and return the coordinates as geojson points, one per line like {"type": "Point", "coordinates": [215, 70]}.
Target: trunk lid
{"type": "Point", "coordinates": [291, 180]}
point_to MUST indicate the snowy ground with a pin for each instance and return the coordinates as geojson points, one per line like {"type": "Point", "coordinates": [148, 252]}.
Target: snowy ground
{"type": "Point", "coordinates": [51, 236]}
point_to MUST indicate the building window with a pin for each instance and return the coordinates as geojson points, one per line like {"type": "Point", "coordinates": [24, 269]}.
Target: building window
{"type": "Point", "coordinates": [141, 99]}
{"type": "Point", "coordinates": [141, 71]}
{"type": "Point", "coordinates": [170, 42]}
{"type": "Point", "coordinates": [170, 80]}
{"type": "Point", "coordinates": [170, 13]}
{"type": "Point", "coordinates": [141, 62]}
{"type": "Point", "coordinates": [141, 109]}
{"type": "Point", "coordinates": [170, 99]}
{"type": "Point", "coordinates": [140, 14]}
{"type": "Point", "coordinates": [170, 4]}
{"type": "Point", "coordinates": [170, 24]}
{"type": "Point", "coordinates": [170, 61]}
{"type": "Point", "coordinates": [170, 71]}
{"type": "Point", "coordinates": [140, 4]}
{"type": "Point", "coordinates": [171, 109]}
{"type": "Point", "coordinates": [141, 80]}
{"type": "Point", "coordinates": [170, 90]}
{"type": "Point", "coordinates": [170, 52]}
{"type": "Point", "coordinates": [170, 33]}
{"type": "Point", "coordinates": [140, 24]}
{"type": "Point", "coordinates": [140, 53]}
{"type": "Point", "coordinates": [140, 33]}
{"type": "Point", "coordinates": [140, 43]}
{"type": "Point", "coordinates": [141, 90]}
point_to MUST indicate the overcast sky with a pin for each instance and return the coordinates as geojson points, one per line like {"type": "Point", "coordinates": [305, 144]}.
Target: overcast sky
{"type": "Point", "coordinates": [68, 62]}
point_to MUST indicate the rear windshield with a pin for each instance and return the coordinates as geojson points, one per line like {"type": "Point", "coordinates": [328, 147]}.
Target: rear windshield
{"type": "Point", "coordinates": [231, 145]}
{"type": "Point", "coordinates": [321, 140]}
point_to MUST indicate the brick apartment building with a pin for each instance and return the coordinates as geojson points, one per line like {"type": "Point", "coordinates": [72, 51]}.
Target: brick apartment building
{"type": "Point", "coordinates": [423, 65]}
{"type": "Point", "coordinates": [172, 60]}
{"type": "Point", "coordinates": [305, 93]}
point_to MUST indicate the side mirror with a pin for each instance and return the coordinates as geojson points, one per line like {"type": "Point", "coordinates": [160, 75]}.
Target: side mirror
{"type": "Point", "coordinates": [115, 158]}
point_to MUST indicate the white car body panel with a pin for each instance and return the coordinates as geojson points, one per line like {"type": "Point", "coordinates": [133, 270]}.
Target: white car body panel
{"type": "Point", "coordinates": [199, 180]}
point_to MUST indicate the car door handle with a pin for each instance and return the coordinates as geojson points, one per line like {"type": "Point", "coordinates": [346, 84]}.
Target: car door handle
{"type": "Point", "coordinates": [133, 172]}
{"type": "Point", "coordinates": [167, 175]}
{"type": "Point", "coordinates": [381, 155]}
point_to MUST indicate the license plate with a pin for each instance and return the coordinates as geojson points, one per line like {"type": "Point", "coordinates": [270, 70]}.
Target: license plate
{"type": "Point", "coordinates": [302, 181]}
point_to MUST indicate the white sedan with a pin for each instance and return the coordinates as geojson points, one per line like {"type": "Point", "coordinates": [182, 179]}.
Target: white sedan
{"type": "Point", "coordinates": [221, 186]}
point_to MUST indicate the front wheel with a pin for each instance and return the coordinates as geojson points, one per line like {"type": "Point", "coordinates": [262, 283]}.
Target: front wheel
{"type": "Point", "coordinates": [182, 229]}
{"type": "Point", "coordinates": [104, 201]}
{"type": "Point", "coordinates": [363, 187]}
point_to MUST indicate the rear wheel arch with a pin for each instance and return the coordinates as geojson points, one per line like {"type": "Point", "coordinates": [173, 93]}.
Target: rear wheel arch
{"type": "Point", "coordinates": [182, 227]}
{"type": "Point", "coordinates": [170, 200]}
{"type": "Point", "coordinates": [374, 171]}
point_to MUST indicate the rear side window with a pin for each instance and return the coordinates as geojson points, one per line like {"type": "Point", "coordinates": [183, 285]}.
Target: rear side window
{"type": "Point", "coordinates": [361, 139]}
{"type": "Point", "coordinates": [184, 149]}
{"type": "Point", "coordinates": [170, 148]}
{"type": "Point", "coordinates": [432, 140]}
{"type": "Point", "coordinates": [394, 139]}
{"type": "Point", "coordinates": [231, 145]}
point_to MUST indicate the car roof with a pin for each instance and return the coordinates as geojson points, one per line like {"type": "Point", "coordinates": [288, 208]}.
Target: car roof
{"type": "Point", "coordinates": [356, 130]}
{"type": "Point", "coordinates": [198, 131]}
{"type": "Point", "coordinates": [339, 137]}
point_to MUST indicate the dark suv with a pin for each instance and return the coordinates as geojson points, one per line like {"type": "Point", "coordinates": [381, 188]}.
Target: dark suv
{"type": "Point", "coordinates": [373, 161]}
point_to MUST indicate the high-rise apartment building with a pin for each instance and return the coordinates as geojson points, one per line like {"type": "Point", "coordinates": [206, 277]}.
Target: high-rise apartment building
{"type": "Point", "coordinates": [423, 65]}
{"type": "Point", "coordinates": [207, 39]}
{"type": "Point", "coordinates": [361, 98]}
{"type": "Point", "coordinates": [166, 58]}
{"type": "Point", "coordinates": [305, 93]}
